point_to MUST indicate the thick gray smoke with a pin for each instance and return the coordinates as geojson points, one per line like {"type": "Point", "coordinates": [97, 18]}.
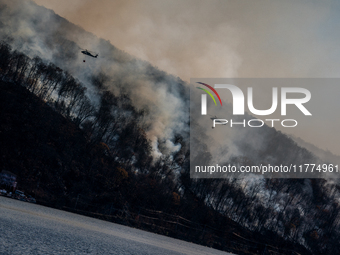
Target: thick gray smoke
{"type": "Point", "coordinates": [190, 38]}
{"type": "Point", "coordinates": [37, 31]}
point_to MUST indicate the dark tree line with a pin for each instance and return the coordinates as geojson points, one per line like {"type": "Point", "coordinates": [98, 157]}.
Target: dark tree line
{"type": "Point", "coordinates": [114, 129]}
{"type": "Point", "coordinates": [55, 86]}
{"type": "Point", "coordinates": [114, 122]}
{"type": "Point", "coordinates": [283, 206]}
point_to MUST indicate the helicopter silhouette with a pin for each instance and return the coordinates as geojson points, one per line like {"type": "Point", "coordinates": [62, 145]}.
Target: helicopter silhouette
{"type": "Point", "coordinates": [89, 53]}
{"type": "Point", "coordinates": [86, 52]}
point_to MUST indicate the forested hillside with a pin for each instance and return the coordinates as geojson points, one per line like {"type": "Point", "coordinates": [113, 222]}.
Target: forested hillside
{"type": "Point", "coordinates": [109, 138]}
{"type": "Point", "coordinates": [74, 169]}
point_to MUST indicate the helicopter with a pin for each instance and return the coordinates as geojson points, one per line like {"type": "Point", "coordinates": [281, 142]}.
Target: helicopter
{"type": "Point", "coordinates": [89, 53]}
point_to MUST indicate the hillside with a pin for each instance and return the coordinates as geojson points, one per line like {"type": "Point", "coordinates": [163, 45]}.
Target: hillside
{"type": "Point", "coordinates": [51, 155]}
{"type": "Point", "coordinates": [110, 138]}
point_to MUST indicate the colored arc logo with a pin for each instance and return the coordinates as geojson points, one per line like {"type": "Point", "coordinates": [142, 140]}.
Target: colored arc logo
{"type": "Point", "coordinates": [208, 92]}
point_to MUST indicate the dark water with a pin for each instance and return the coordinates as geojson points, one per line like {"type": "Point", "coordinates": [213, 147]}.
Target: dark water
{"type": "Point", "coordinates": [32, 229]}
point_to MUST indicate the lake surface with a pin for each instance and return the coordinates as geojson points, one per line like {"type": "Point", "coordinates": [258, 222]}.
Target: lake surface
{"type": "Point", "coordinates": [33, 229]}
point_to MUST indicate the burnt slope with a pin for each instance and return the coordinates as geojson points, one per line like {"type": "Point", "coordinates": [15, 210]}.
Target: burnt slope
{"type": "Point", "coordinates": [56, 162]}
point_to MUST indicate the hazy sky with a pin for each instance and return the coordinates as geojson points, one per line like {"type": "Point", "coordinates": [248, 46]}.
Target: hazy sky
{"type": "Point", "coordinates": [192, 38]}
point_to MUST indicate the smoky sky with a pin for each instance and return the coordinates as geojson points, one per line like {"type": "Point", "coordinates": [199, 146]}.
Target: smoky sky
{"type": "Point", "coordinates": [192, 39]}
